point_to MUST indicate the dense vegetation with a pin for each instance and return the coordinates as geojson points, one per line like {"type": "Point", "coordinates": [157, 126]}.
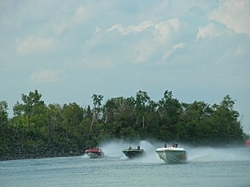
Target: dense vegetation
{"type": "Point", "coordinates": [40, 130]}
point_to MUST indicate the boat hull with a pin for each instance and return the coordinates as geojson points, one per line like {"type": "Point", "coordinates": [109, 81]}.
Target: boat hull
{"type": "Point", "coordinates": [132, 153]}
{"type": "Point", "coordinates": [94, 153]}
{"type": "Point", "coordinates": [248, 142]}
{"type": "Point", "coordinates": [172, 156]}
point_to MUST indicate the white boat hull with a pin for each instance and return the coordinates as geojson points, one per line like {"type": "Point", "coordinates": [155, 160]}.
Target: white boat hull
{"type": "Point", "coordinates": [172, 155]}
{"type": "Point", "coordinates": [94, 155]}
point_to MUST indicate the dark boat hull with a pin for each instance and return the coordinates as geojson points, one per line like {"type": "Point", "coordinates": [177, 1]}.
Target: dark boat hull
{"type": "Point", "coordinates": [132, 153]}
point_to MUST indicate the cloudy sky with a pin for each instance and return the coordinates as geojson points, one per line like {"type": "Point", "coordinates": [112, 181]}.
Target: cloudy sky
{"type": "Point", "coordinates": [70, 50]}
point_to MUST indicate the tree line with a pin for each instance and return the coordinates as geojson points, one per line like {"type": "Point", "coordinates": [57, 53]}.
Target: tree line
{"type": "Point", "coordinates": [40, 130]}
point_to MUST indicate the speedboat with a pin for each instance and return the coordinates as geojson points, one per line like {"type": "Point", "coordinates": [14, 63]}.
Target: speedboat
{"type": "Point", "coordinates": [172, 155]}
{"type": "Point", "coordinates": [131, 153]}
{"type": "Point", "coordinates": [94, 152]}
{"type": "Point", "coordinates": [248, 140]}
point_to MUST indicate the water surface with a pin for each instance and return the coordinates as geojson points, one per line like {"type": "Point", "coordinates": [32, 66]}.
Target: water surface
{"type": "Point", "coordinates": [205, 167]}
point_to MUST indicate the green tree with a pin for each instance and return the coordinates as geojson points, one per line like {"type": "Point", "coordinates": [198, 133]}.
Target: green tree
{"type": "Point", "coordinates": [3, 113]}
{"type": "Point", "coordinates": [97, 102]}
{"type": "Point", "coordinates": [169, 110]}
{"type": "Point", "coordinates": [3, 123]}
{"type": "Point", "coordinates": [72, 115]}
{"type": "Point", "coordinates": [32, 104]}
{"type": "Point", "coordinates": [54, 115]}
{"type": "Point", "coordinates": [224, 122]}
{"type": "Point", "coordinates": [142, 101]}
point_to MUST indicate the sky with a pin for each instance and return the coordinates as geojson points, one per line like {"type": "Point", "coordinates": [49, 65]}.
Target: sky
{"type": "Point", "coordinates": [69, 50]}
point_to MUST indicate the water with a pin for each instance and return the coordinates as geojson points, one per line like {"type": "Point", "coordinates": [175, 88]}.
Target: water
{"type": "Point", "coordinates": [205, 167]}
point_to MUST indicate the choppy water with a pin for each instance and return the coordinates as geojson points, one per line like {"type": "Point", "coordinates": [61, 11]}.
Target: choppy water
{"type": "Point", "coordinates": [205, 167]}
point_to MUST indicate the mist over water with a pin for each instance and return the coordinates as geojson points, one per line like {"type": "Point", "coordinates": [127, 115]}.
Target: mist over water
{"type": "Point", "coordinates": [198, 154]}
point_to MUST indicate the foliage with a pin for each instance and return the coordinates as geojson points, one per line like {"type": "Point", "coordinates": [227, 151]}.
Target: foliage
{"type": "Point", "coordinates": [40, 130]}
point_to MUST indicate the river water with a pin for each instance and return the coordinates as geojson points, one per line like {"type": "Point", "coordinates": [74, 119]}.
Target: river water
{"type": "Point", "coordinates": [207, 167]}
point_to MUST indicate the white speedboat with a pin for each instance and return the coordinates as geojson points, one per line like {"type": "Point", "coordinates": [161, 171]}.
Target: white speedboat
{"type": "Point", "coordinates": [94, 152]}
{"type": "Point", "coordinates": [172, 155]}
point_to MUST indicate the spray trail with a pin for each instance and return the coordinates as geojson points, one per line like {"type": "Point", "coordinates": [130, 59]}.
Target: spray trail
{"type": "Point", "coordinates": [204, 154]}
{"type": "Point", "coordinates": [114, 149]}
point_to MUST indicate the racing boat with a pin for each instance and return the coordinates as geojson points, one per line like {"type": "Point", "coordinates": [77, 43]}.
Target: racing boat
{"type": "Point", "coordinates": [248, 139]}
{"type": "Point", "coordinates": [132, 153]}
{"type": "Point", "coordinates": [172, 155]}
{"type": "Point", "coordinates": [94, 152]}
{"type": "Point", "coordinates": [248, 142]}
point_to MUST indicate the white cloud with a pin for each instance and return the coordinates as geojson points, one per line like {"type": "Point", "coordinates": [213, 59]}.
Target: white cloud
{"type": "Point", "coordinates": [235, 15]}
{"type": "Point", "coordinates": [36, 45]}
{"type": "Point", "coordinates": [132, 28]}
{"type": "Point", "coordinates": [152, 42]}
{"type": "Point", "coordinates": [179, 46]}
{"type": "Point", "coordinates": [209, 31]}
{"type": "Point", "coordinates": [164, 30]}
{"type": "Point", "coordinates": [240, 51]}
{"type": "Point", "coordinates": [44, 76]}
{"type": "Point", "coordinates": [83, 14]}
{"type": "Point", "coordinates": [161, 29]}
{"type": "Point", "coordinates": [174, 48]}
{"type": "Point", "coordinates": [97, 30]}
{"type": "Point", "coordinates": [142, 51]}
{"type": "Point", "coordinates": [80, 16]}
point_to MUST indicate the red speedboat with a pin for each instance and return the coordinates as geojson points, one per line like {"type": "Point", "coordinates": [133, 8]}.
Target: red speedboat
{"type": "Point", "coordinates": [248, 140]}
{"type": "Point", "coordinates": [94, 152]}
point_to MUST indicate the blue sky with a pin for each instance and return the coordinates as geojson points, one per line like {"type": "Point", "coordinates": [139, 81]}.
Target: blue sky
{"type": "Point", "coordinates": [70, 50]}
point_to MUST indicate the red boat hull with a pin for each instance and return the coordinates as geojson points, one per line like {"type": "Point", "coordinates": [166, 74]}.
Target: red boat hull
{"type": "Point", "coordinates": [94, 152]}
{"type": "Point", "coordinates": [248, 142]}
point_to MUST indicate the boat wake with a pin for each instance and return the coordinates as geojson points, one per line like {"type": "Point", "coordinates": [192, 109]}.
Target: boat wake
{"type": "Point", "coordinates": [115, 148]}
{"type": "Point", "coordinates": [206, 154]}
